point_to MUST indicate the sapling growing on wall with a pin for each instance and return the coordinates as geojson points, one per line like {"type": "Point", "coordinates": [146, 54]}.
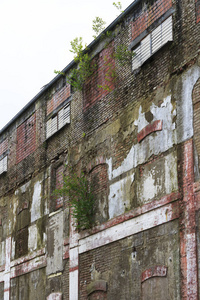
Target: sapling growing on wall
{"type": "Point", "coordinates": [98, 26]}
{"type": "Point", "coordinates": [118, 5]}
{"type": "Point", "coordinates": [85, 66]}
{"type": "Point", "coordinates": [80, 196]}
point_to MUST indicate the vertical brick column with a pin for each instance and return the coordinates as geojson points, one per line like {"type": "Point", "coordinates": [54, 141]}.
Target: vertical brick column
{"type": "Point", "coordinates": [197, 3]}
{"type": "Point", "coordinates": [188, 246]}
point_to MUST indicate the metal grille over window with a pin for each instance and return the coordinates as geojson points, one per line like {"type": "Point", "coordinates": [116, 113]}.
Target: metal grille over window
{"type": "Point", "coordinates": [58, 121]}
{"type": "Point", "coordinates": [152, 43]}
{"type": "Point", "coordinates": [3, 165]}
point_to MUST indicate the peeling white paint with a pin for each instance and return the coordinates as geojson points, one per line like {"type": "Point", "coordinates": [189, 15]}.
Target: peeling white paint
{"type": "Point", "coordinates": [32, 237]}
{"type": "Point", "coordinates": [55, 245]}
{"type": "Point", "coordinates": [119, 196]}
{"type": "Point", "coordinates": [156, 143]}
{"type": "Point", "coordinates": [73, 254]}
{"type": "Point", "coordinates": [73, 285]}
{"type": "Point", "coordinates": [143, 222]}
{"type": "Point", "coordinates": [36, 202]}
{"type": "Point", "coordinates": [149, 188]}
{"type": "Point", "coordinates": [2, 253]}
{"type": "Point", "coordinates": [158, 178]}
{"type": "Point", "coordinates": [55, 296]}
{"type": "Point", "coordinates": [171, 175]}
{"type": "Point", "coordinates": [185, 105]}
{"type": "Point", "coordinates": [13, 249]}
{"type": "Point", "coordinates": [23, 188]}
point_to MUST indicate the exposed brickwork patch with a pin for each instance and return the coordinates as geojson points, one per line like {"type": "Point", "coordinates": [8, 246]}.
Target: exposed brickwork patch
{"type": "Point", "coordinates": [197, 10]}
{"type": "Point", "coordinates": [157, 271]}
{"type": "Point", "coordinates": [155, 126]}
{"type": "Point", "coordinates": [150, 15]}
{"type": "Point", "coordinates": [196, 120]}
{"type": "Point", "coordinates": [26, 138]}
{"type": "Point", "coordinates": [103, 76]}
{"type": "Point", "coordinates": [3, 146]}
{"type": "Point", "coordinates": [58, 98]}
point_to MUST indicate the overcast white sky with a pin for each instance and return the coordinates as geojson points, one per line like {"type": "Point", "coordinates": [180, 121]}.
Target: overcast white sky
{"type": "Point", "coordinates": [35, 40]}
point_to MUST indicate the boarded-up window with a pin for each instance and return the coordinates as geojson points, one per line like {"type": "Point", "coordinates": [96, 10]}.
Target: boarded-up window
{"type": "Point", "coordinates": [155, 289]}
{"type": "Point", "coordinates": [152, 43]}
{"type": "Point", "coordinates": [58, 121]}
{"type": "Point", "coordinates": [59, 184]}
{"type": "Point", "coordinates": [26, 138]}
{"type": "Point", "coordinates": [21, 242]}
{"type": "Point", "coordinates": [102, 81]}
{"type": "Point", "coordinates": [3, 164]}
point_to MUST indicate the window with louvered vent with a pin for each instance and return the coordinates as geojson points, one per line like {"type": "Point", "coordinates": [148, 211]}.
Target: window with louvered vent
{"type": "Point", "coordinates": [152, 43]}
{"type": "Point", "coordinates": [58, 121]}
{"type": "Point", "coordinates": [3, 165]}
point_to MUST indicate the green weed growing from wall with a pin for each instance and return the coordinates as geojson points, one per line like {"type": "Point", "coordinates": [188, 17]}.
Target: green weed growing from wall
{"type": "Point", "coordinates": [80, 198]}
{"type": "Point", "coordinates": [85, 66]}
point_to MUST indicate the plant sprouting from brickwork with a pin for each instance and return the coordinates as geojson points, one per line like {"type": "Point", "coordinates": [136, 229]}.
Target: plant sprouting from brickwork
{"type": "Point", "coordinates": [124, 55]}
{"type": "Point", "coordinates": [110, 75]}
{"type": "Point", "coordinates": [85, 66]}
{"type": "Point", "coordinates": [80, 198]}
{"type": "Point", "coordinates": [98, 26]}
{"type": "Point", "coordinates": [118, 5]}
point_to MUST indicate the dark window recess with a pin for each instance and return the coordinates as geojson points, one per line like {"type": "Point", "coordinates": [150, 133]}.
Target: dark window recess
{"type": "Point", "coordinates": [21, 247]}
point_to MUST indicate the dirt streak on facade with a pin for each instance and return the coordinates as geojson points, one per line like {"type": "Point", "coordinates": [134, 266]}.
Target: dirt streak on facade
{"type": "Point", "coordinates": [138, 142]}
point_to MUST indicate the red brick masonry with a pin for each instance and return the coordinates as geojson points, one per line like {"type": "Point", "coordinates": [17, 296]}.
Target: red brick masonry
{"type": "Point", "coordinates": [155, 126]}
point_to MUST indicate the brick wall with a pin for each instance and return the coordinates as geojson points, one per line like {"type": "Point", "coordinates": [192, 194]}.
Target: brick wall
{"type": "Point", "coordinates": [65, 280]}
{"type": "Point", "coordinates": [114, 263]}
{"type": "Point", "coordinates": [3, 146]}
{"type": "Point", "coordinates": [103, 80]}
{"type": "Point", "coordinates": [21, 242]}
{"type": "Point", "coordinates": [26, 138]}
{"type": "Point", "coordinates": [196, 119]}
{"type": "Point", "coordinates": [58, 98]}
{"type": "Point", "coordinates": [149, 15]}
{"type": "Point", "coordinates": [197, 3]}
{"type": "Point", "coordinates": [59, 183]}
{"type": "Point", "coordinates": [99, 181]}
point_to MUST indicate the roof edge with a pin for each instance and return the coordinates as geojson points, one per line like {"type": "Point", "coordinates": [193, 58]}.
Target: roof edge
{"type": "Point", "coordinates": [70, 65]}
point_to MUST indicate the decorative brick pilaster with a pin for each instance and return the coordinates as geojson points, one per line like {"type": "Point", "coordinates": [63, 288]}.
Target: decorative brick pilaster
{"type": "Point", "coordinates": [188, 246]}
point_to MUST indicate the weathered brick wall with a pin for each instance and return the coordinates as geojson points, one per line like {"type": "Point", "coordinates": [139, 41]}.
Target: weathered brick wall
{"type": "Point", "coordinates": [102, 80]}
{"type": "Point", "coordinates": [115, 264]}
{"type": "Point", "coordinates": [196, 120]}
{"type": "Point", "coordinates": [26, 142]}
{"type": "Point", "coordinates": [99, 183]}
{"type": "Point", "coordinates": [133, 163]}
{"type": "Point", "coordinates": [58, 98]}
{"type": "Point", "coordinates": [65, 280]}
{"type": "Point", "coordinates": [197, 2]}
{"type": "Point", "coordinates": [3, 146]}
{"type": "Point", "coordinates": [146, 16]}
{"type": "Point", "coordinates": [29, 286]}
